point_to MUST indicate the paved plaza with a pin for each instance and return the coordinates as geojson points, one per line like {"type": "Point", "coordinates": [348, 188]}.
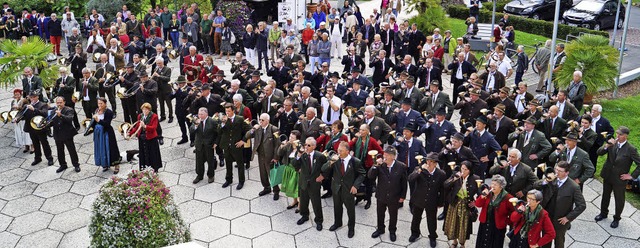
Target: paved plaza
{"type": "Point", "coordinates": [42, 208]}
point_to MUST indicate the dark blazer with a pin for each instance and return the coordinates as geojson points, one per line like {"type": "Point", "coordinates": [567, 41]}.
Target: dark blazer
{"type": "Point", "coordinates": [267, 140]}
{"type": "Point", "coordinates": [63, 125]}
{"type": "Point", "coordinates": [411, 69]}
{"type": "Point", "coordinates": [281, 76]}
{"type": "Point", "coordinates": [309, 130]}
{"type": "Point", "coordinates": [569, 113]}
{"type": "Point", "coordinates": [263, 105]}
{"type": "Point", "coordinates": [348, 61]}
{"type": "Point", "coordinates": [510, 107]}
{"type": "Point", "coordinates": [379, 129]}
{"type": "Point", "coordinates": [150, 94]}
{"type": "Point", "coordinates": [92, 88]}
{"type": "Point", "coordinates": [163, 78]}
{"type": "Point", "coordinates": [587, 139]}
{"type": "Point", "coordinates": [102, 72]}
{"type": "Point", "coordinates": [522, 63]}
{"type": "Point", "coordinates": [415, 96]}
{"type": "Point", "coordinates": [618, 162]}
{"type": "Point", "coordinates": [372, 32]}
{"type": "Point", "coordinates": [231, 133]}
{"type": "Point", "coordinates": [498, 81]}
{"type": "Point", "coordinates": [522, 179]}
{"type": "Point", "coordinates": [463, 154]}
{"type": "Point", "coordinates": [502, 133]}
{"type": "Point", "coordinates": [212, 105]}
{"type": "Point", "coordinates": [67, 91]}
{"type": "Point", "coordinates": [401, 119]}
{"type": "Point", "coordinates": [429, 189]}
{"type": "Point", "coordinates": [560, 202]}
{"type": "Point", "coordinates": [205, 138]}
{"type": "Point", "coordinates": [392, 185]}
{"type": "Point", "coordinates": [602, 125]}
{"type": "Point", "coordinates": [313, 102]}
{"type": "Point", "coordinates": [246, 97]}
{"type": "Point", "coordinates": [435, 131]}
{"type": "Point", "coordinates": [290, 60]}
{"type": "Point", "coordinates": [580, 166]}
{"type": "Point", "coordinates": [442, 102]}
{"type": "Point", "coordinates": [558, 130]}
{"type": "Point", "coordinates": [453, 185]}
{"type": "Point", "coordinates": [378, 73]}
{"type": "Point", "coordinates": [416, 39]}
{"type": "Point", "coordinates": [36, 84]}
{"type": "Point", "coordinates": [538, 145]}
{"type": "Point", "coordinates": [287, 122]}
{"type": "Point", "coordinates": [180, 96]}
{"type": "Point", "coordinates": [39, 109]}
{"type": "Point", "coordinates": [388, 117]}
{"type": "Point", "coordinates": [308, 174]}
{"type": "Point", "coordinates": [467, 69]}
{"type": "Point", "coordinates": [356, 100]}
{"type": "Point", "coordinates": [483, 145]}
{"type": "Point", "coordinates": [408, 154]}
{"type": "Point", "coordinates": [352, 177]}
{"type": "Point", "coordinates": [434, 72]}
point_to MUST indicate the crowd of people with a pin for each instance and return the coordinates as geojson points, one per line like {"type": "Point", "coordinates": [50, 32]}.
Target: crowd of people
{"type": "Point", "coordinates": [341, 133]}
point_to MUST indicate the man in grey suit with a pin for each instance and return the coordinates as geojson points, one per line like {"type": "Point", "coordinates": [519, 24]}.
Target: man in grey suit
{"type": "Point", "coordinates": [309, 125]}
{"type": "Point", "coordinates": [162, 75]}
{"type": "Point", "coordinates": [542, 64]}
{"type": "Point", "coordinates": [519, 176]}
{"type": "Point", "coordinates": [30, 83]}
{"type": "Point", "coordinates": [380, 130]}
{"type": "Point", "coordinates": [436, 100]}
{"type": "Point", "coordinates": [532, 143]}
{"type": "Point", "coordinates": [265, 144]}
{"type": "Point", "coordinates": [615, 172]}
{"type": "Point", "coordinates": [581, 167]}
{"type": "Point", "coordinates": [205, 133]}
{"type": "Point", "coordinates": [560, 197]}
{"type": "Point", "coordinates": [412, 92]}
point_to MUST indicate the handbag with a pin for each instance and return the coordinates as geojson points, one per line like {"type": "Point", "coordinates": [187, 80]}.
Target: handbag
{"type": "Point", "coordinates": [473, 214]}
{"type": "Point", "coordinates": [275, 174]}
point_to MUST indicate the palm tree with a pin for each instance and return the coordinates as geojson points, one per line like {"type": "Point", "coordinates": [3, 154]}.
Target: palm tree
{"type": "Point", "coordinates": [598, 62]}
{"type": "Point", "coordinates": [32, 52]}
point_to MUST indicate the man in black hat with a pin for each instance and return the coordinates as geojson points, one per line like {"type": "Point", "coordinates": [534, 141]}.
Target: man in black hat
{"type": "Point", "coordinates": [581, 167]}
{"type": "Point", "coordinates": [181, 109]}
{"type": "Point", "coordinates": [533, 110]}
{"type": "Point", "coordinates": [244, 74]}
{"type": "Point", "coordinates": [483, 145]}
{"type": "Point", "coordinates": [219, 85]}
{"type": "Point", "coordinates": [127, 81]}
{"type": "Point", "coordinates": [410, 92]}
{"type": "Point", "coordinates": [615, 172]}
{"type": "Point", "coordinates": [437, 128]}
{"type": "Point", "coordinates": [436, 100]}
{"type": "Point", "coordinates": [65, 87]}
{"type": "Point", "coordinates": [63, 132]}
{"type": "Point", "coordinates": [356, 76]}
{"type": "Point", "coordinates": [470, 108]}
{"type": "Point", "coordinates": [458, 153]}
{"type": "Point", "coordinates": [356, 96]}
{"type": "Point", "coordinates": [407, 115]}
{"type": "Point", "coordinates": [39, 137]}
{"type": "Point", "coordinates": [391, 190]}
{"type": "Point", "coordinates": [427, 197]}
{"type": "Point", "coordinates": [532, 143]}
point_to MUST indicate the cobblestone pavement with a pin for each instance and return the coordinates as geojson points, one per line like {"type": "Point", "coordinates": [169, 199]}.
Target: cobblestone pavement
{"type": "Point", "coordinates": [40, 208]}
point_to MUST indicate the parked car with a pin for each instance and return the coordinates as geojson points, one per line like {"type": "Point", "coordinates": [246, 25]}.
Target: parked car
{"type": "Point", "coordinates": [536, 9]}
{"type": "Point", "coordinates": [594, 14]}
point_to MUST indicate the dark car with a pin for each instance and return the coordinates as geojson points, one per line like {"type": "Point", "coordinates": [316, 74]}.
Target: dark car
{"type": "Point", "coordinates": [594, 14]}
{"type": "Point", "coordinates": [536, 9]}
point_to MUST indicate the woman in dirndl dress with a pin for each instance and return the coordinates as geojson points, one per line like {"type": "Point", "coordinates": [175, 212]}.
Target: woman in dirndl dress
{"type": "Point", "coordinates": [289, 185]}
{"type": "Point", "coordinates": [105, 146]}
{"type": "Point", "coordinates": [22, 137]}
{"type": "Point", "coordinates": [461, 189]}
{"type": "Point", "coordinates": [148, 139]}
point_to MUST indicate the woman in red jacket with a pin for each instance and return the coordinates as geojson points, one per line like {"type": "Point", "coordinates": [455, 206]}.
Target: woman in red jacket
{"type": "Point", "coordinates": [330, 141]}
{"type": "Point", "coordinates": [495, 213]}
{"type": "Point", "coordinates": [148, 139]}
{"type": "Point", "coordinates": [533, 227]}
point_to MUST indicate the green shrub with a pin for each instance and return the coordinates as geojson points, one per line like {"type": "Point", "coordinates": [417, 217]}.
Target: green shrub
{"type": "Point", "coordinates": [136, 212]}
{"type": "Point", "coordinates": [528, 25]}
{"type": "Point", "coordinates": [598, 62]}
{"type": "Point", "coordinates": [499, 6]}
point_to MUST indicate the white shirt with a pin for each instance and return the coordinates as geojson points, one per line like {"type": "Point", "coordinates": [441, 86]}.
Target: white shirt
{"type": "Point", "coordinates": [560, 108]}
{"type": "Point", "coordinates": [335, 115]}
{"type": "Point", "coordinates": [519, 104]}
{"type": "Point", "coordinates": [593, 122]}
{"type": "Point", "coordinates": [504, 67]}
{"type": "Point", "coordinates": [491, 81]}
{"type": "Point", "coordinates": [345, 161]}
{"type": "Point", "coordinates": [570, 154]}
{"type": "Point", "coordinates": [512, 169]}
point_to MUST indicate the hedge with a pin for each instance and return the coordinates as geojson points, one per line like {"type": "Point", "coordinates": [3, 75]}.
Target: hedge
{"type": "Point", "coordinates": [499, 5]}
{"type": "Point", "coordinates": [528, 25]}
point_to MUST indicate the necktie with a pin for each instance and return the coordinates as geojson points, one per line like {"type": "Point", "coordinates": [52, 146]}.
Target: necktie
{"type": "Point", "coordinates": [559, 183]}
{"type": "Point", "coordinates": [513, 171]}
{"type": "Point", "coordinates": [268, 104]}
{"type": "Point", "coordinates": [342, 169]}
{"type": "Point", "coordinates": [433, 100]}
{"type": "Point", "coordinates": [488, 86]}
{"type": "Point", "coordinates": [329, 112]}
{"type": "Point", "coordinates": [310, 163]}
{"type": "Point", "coordinates": [428, 75]}
{"type": "Point", "coordinates": [386, 110]}
{"type": "Point", "coordinates": [568, 156]}
{"type": "Point", "coordinates": [526, 140]}
{"type": "Point", "coordinates": [498, 124]}
{"type": "Point", "coordinates": [383, 65]}
{"type": "Point", "coordinates": [203, 124]}
{"type": "Point", "coordinates": [552, 123]}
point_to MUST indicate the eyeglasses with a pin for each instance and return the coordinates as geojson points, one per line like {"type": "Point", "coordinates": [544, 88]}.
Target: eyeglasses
{"type": "Point", "coordinates": [263, 120]}
{"type": "Point", "coordinates": [308, 145]}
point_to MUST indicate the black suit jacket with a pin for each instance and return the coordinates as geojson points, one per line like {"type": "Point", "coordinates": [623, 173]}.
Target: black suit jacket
{"type": "Point", "coordinates": [163, 78]}
{"type": "Point", "coordinates": [313, 102]}
{"type": "Point", "coordinates": [232, 132]}
{"type": "Point", "coordinates": [63, 125]}
{"type": "Point", "coordinates": [307, 130]}
{"type": "Point", "coordinates": [308, 174]}
{"type": "Point", "coordinates": [560, 201]}
{"type": "Point", "coordinates": [467, 69]}
{"type": "Point", "coordinates": [378, 72]}
{"type": "Point", "coordinates": [150, 94]}
{"type": "Point", "coordinates": [281, 76]}
{"type": "Point", "coordinates": [498, 81]}
{"type": "Point", "coordinates": [429, 189]}
{"type": "Point", "coordinates": [411, 69]}
{"type": "Point", "coordinates": [36, 84]}
{"type": "Point", "coordinates": [618, 162]}
{"type": "Point", "coordinates": [348, 62]}
{"type": "Point", "coordinates": [464, 154]}
{"type": "Point", "coordinates": [392, 184]}
{"type": "Point", "coordinates": [522, 180]}
{"type": "Point", "coordinates": [206, 137]}
{"type": "Point", "coordinates": [67, 91]}
{"type": "Point", "coordinates": [435, 74]}
{"type": "Point", "coordinates": [558, 130]}
{"type": "Point", "coordinates": [352, 177]}
{"type": "Point", "coordinates": [453, 185]}
{"type": "Point", "coordinates": [212, 104]}
{"type": "Point", "coordinates": [502, 133]}
{"type": "Point", "coordinates": [287, 122]}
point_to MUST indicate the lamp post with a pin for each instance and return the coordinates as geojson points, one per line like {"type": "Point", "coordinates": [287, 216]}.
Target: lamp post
{"type": "Point", "coordinates": [493, 23]}
{"type": "Point", "coordinates": [615, 25]}
{"type": "Point", "coordinates": [622, 43]}
{"type": "Point", "coordinates": [553, 45]}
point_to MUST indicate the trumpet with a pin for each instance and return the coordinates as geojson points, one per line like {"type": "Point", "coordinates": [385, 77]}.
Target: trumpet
{"type": "Point", "coordinates": [419, 158]}
{"type": "Point", "coordinates": [373, 154]}
{"type": "Point", "coordinates": [5, 117]}
{"type": "Point", "coordinates": [96, 57]}
{"type": "Point", "coordinates": [168, 44]}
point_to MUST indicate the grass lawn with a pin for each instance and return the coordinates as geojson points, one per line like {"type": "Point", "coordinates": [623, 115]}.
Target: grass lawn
{"type": "Point", "coordinates": [458, 29]}
{"type": "Point", "coordinates": [623, 112]}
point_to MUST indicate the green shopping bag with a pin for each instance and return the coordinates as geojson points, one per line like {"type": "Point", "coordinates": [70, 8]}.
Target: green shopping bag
{"type": "Point", "coordinates": [275, 174]}
{"type": "Point", "coordinates": [289, 184]}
